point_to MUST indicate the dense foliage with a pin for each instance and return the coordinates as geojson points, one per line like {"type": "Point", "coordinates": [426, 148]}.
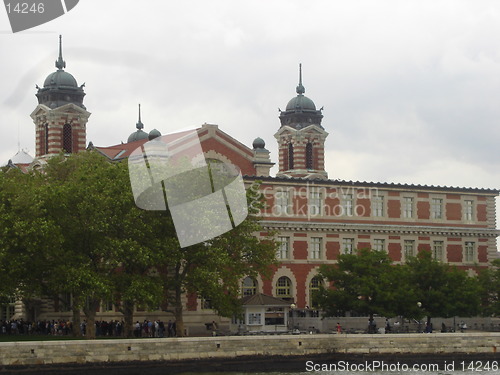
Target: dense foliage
{"type": "Point", "coordinates": [368, 283]}
{"type": "Point", "coordinates": [74, 228]}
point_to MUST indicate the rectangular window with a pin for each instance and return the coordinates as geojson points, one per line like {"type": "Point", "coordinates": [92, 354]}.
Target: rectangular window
{"type": "Point", "coordinates": [470, 254]}
{"type": "Point", "coordinates": [282, 202]}
{"type": "Point", "coordinates": [348, 245]}
{"type": "Point", "coordinates": [437, 208]}
{"type": "Point", "coordinates": [7, 309]}
{"type": "Point", "coordinates": [107, 305]}
{"type": "Point", "coordinates": [437, 250]}
{"type": "Point", "coordinates": [65, 302]}
{"type": "Point", "coordinates": [409, 248]}
{"type": "Point", "coordinates": [407, 207]}
{"type": "Point", "coordinates": [316, 244]}
{"type": "Point", "coordinates": [378, 206]}
{"type": "Point", "coordinates": [254, 318]}
{"type": "Point", "coordinates": [206, 304]}
{"type": "Point", "coordinates": [314, 203]}
{"type": "Point", "coordinates": [468, 210]}
{"type": "Point", "coordinates": [348, 205]}
{"type": "Point", "coordinates": [283, 247]}
{"type": "Point", "coordinates": [379, 245]}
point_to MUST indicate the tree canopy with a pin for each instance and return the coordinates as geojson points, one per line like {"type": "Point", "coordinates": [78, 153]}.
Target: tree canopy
{"type": "Point", "coordinates": [74, 228]}
{"type": "Point", "coordinates": [368, 283]}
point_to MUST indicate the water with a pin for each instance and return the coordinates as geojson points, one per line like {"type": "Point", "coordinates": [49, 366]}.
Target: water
{"type": "Point", "coordinates": [460, 372]}
{"type": "Point", "coordinates": [345, 373]}
{"type": "Point", "coordinates": [331, 364]}
{"type": "Point", "coordinates": [376, 367]}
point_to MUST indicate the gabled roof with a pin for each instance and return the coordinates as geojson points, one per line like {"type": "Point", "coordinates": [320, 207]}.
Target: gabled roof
{"type": "Point", "coordinates": [260, 299]}
{"type": "Point", "coordinates": [119, 152]}
{"type": "Point", "coordinates": [214, 142]}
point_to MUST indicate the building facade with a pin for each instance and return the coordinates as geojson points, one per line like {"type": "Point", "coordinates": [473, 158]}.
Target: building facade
{"type": "Point", "coordinates": [319, 218]}
{"type": "Point", "coordinates": [316, 218]}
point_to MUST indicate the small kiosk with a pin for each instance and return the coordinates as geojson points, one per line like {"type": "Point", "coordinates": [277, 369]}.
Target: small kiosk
{"type": "Point", "coordinates": [263, 313]}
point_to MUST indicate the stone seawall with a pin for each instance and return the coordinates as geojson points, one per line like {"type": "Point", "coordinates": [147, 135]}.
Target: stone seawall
{"type": "Point", "coordinates": [202, 348]}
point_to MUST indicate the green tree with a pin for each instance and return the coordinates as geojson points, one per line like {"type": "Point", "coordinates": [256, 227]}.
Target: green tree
{"type": "Point", "coordinates": [75, 229]}
{"type": "Point", "coordinates": [489, 281]}
{"type": "Point", "coordinates": [213, 269]}
{"type": "Point", "coordinates": [442, 290]}
{"type": "Point", "coordinates": [27, 235]}
{"type": "Point", "coordinates": [107, 239]}
{"type": "Point", "coordinates": [362, 282]}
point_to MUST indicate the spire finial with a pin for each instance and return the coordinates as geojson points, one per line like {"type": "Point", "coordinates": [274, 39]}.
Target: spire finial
{"type": "Point", "coordinates": [139, 124]}
{"type": "Point", "coordinates": [60, 63]}
{"type": "Point", "coordinates": [300, 89]}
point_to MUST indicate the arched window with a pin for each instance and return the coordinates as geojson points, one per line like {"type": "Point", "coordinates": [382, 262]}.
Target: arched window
{"type": "Point", "coordinates": [314, 287]}
{"type": "Point", "coordinates": [45, 146]}
{"type": "Point", "coordinates": [290, 156]}
{"type": "Point", "coordinates": [67, 139]}
{"type": "Point", "coordinates": [309, 156]}
{"type": "Point", "coordinates": [284, 288]}
{"type": "Point", "coordinates": [248, 286]}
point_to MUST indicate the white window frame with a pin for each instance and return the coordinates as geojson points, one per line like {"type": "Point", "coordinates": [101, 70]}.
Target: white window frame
{"type": "Point", "coordinates": [348, 246]}
{"type": "Point", "coordinates": [438, 250]}
{"type": "Point", "coordinates": [348, 205]}
{"type": "Point", "coordinates": [282, 200]}
{"type": "Point", "coordinates": [408, 207]}
{"type": "Point", "coordinates": [378, 202]}
{"type": "Point", "coordinates": [437, 208]}
{"type": "Point", "coordinates": [469, 252]}
{"type": "Point", "coordinates": [283, 251]}
{"type": "Point", "coordinates": [315, 200]}
{"type": "Point", "coordinates": [247, 290]}
{"type": "Point", "coordinates": [469, 210]}
{"type": "Point", "coordinates": [316, 248]}
{"type": "Point", "coordinates": [254, 319]}
{"type": "Point", "coordinates": [409, 248]}
{"type": "Point", "coordinates": [287, 288]}
{"type": "Point", "coordinates": [379, 244]}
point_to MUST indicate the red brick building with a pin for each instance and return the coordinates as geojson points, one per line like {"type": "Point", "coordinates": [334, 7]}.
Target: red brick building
{"type": "Point", "coordinates": [317, 218]}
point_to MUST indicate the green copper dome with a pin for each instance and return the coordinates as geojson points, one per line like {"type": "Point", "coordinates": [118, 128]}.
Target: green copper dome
{"type": "Point", "coordinates": [154, 134]}
{"type": "Point", "coordinates": [137, 136]}
{"type": "Point", "coordinates": [258, 143]}
{"type": "Point", "coordinates": [60, 87]}
{"type": "Point", "coordinates": [300, 103]}
{"type": "Point", "coordinates": [300, 111]}
{"type": "Point", "coordinates": [61, 79]}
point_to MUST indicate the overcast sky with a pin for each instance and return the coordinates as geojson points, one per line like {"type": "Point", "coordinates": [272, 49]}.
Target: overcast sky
{"type": "Point", "coordinates": [410, 89]}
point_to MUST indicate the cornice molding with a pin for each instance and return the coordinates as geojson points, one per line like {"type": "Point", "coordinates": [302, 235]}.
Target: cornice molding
{"type": "Point", "coordinates": [381, 229]}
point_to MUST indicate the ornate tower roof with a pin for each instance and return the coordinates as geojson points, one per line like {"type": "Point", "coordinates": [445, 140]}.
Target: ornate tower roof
{"type": "Point", "coordinates": [300, 110]}
{"type": "Point", "coordinates": [301, 138]}
{"type": "Point", "coordinates": [60, 87]}
{"type": "Point", "coordinates": [139, 134]}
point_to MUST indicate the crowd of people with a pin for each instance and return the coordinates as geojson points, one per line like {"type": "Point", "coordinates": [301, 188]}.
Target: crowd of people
{"type": "Point", "coordinates": [112, 328]}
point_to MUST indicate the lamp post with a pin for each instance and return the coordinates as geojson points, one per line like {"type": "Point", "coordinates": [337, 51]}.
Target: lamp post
{"type": "Point", "coordinates": [292, 308]}
{"type": "Point", "coordinates": [419, 304]}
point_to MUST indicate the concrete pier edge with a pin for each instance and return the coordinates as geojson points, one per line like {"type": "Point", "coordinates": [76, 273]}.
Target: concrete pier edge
{"type": "Point", "coordinates": [241, 353]}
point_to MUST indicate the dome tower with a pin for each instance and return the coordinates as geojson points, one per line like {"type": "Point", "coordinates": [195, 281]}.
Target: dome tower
{"type": "Point", "coordinates": [60, 117]}
{"type": "Point", "coordinates": [139, 134]}
{"type": "Point", "coordinates": [301, 138]}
